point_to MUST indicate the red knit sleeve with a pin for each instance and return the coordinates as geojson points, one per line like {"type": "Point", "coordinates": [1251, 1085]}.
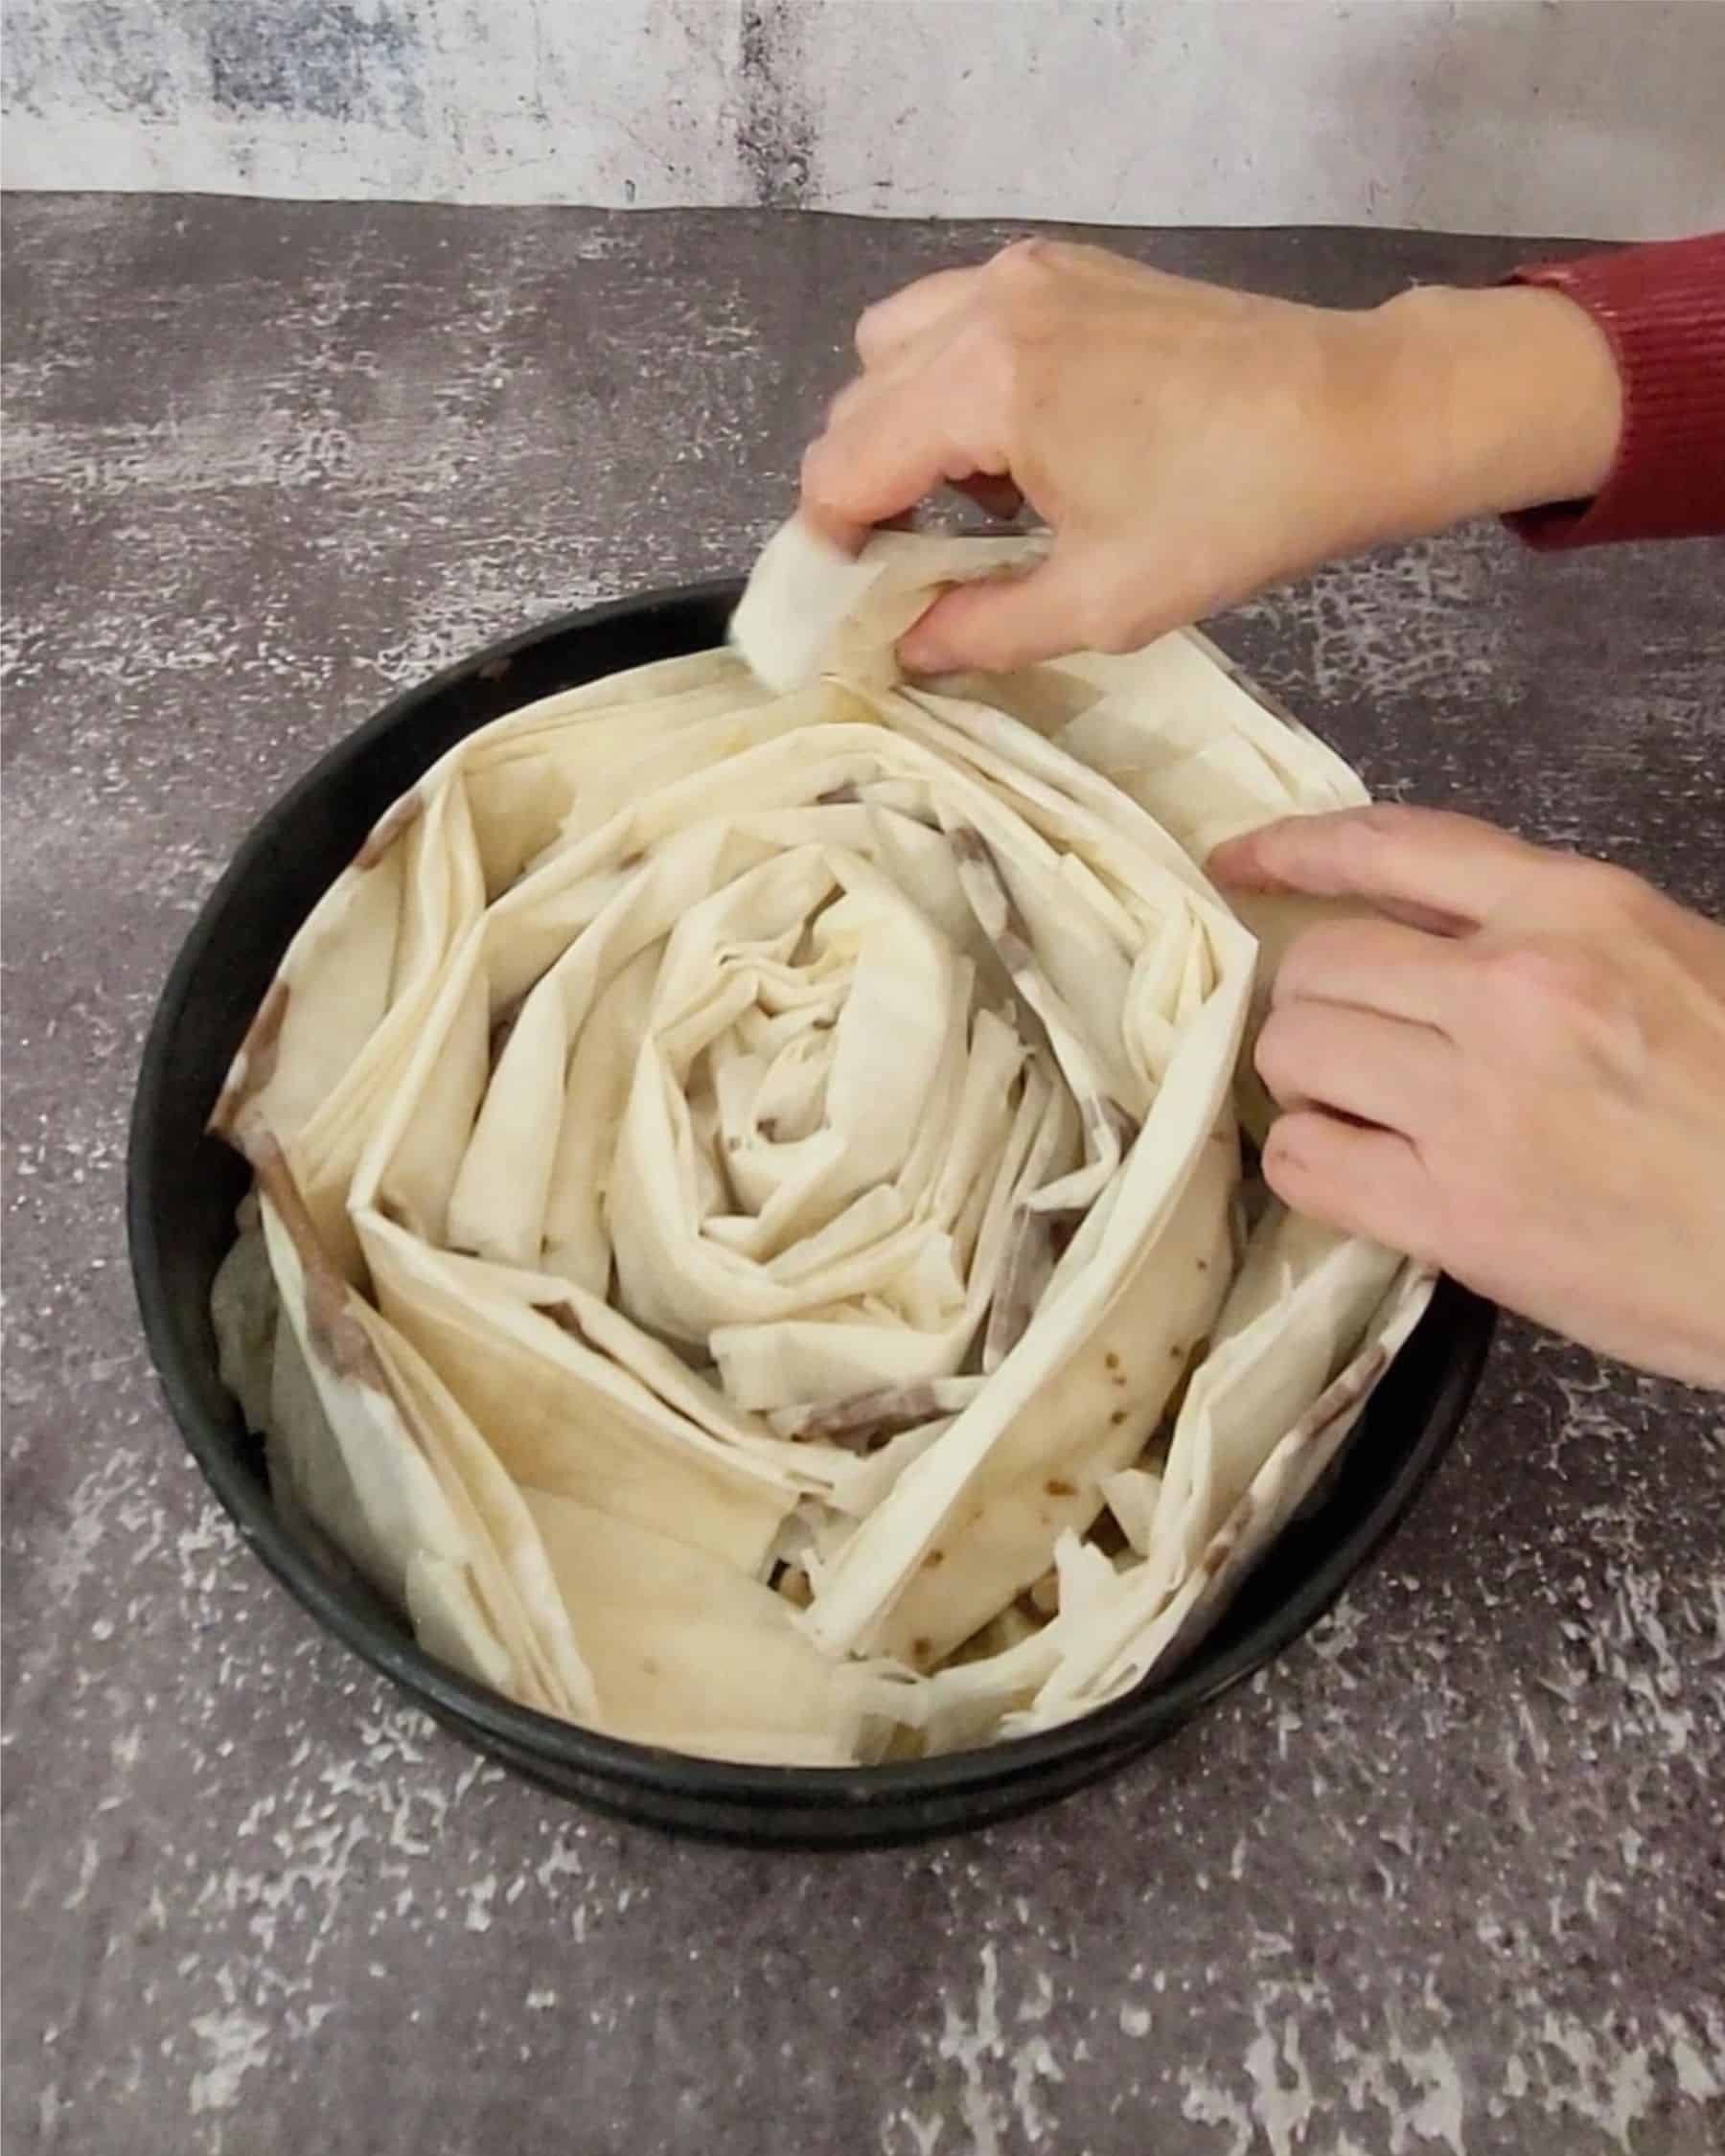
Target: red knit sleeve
{"type": "Point", "coordinates": [1663, 308]}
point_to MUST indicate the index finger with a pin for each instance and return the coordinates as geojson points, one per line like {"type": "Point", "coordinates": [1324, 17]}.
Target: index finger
{"type": "Point", "coordinates": [1444, 867]}
{"type": "Point", "coordinates": [881, 456]}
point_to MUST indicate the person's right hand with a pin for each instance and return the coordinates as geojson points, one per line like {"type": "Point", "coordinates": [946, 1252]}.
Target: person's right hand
{"type": "Point", "coordinates": [1186, 444]}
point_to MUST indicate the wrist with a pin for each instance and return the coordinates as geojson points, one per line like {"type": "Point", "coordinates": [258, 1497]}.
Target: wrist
{"type": "Point", "coordinates": [1511, 395]}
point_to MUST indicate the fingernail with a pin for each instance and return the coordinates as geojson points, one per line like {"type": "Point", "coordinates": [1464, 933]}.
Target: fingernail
{"type": "Point", "coordinates": [844, 538]}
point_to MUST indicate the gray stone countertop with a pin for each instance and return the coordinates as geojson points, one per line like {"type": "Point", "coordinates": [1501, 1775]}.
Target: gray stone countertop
{"type": "Point", "coordinates": [1448, 1876]}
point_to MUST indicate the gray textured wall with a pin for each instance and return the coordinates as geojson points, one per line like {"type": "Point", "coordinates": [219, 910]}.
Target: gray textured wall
{"type": "Point", "coordinates": [1589, 116]}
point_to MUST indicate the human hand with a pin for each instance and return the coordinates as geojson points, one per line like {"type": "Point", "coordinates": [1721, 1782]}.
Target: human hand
{"type": "Point", "coordinates": [1188, 443]}
{"type": "Point", "coordinates": [1518, 1074]}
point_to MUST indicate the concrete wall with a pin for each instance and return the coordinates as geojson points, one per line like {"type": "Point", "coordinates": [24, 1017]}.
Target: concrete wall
{"type": "Point", "coordinates": [1600, 117]}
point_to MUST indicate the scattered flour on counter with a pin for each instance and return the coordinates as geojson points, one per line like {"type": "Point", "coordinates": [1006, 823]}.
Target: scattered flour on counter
{"type": "Point", "coordinates": [236, 2042]}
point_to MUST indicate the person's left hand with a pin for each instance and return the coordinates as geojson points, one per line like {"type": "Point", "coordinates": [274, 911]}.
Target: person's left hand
{"type": "Point", "coordinates": [1516, 1073]}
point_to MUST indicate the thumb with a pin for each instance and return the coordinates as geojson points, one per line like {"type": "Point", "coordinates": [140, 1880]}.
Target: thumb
{"type": "Point", "coordinates": [998, 623]}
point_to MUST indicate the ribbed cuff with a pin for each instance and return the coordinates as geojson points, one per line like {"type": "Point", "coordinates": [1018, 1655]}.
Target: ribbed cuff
{"type": "Point", "coordinates": [1662, 308]}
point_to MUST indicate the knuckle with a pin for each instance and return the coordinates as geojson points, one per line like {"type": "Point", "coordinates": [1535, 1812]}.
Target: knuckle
{"type": "Point", "coordinates": [870, 333]}
{"type": "Point", "coordinates": [1282, 1167]}
{"type": "Point", "coordinates": [986, 361]}
{"type": "Point", "coordinates": [1604, 892]}
{"type": "Point", "coordinates": [1314, 953]}
{"type": "Point", "coordinates": [1560, 998]}
{"type": "Point", "coordinates": [819, 471]}
{"type": "Point", "coordinates": [846, 401]}
{"type": "Point", "coordinates": [1277, 1054]}
{"type": "Point", "coordinates": [1362, 843]}
{"type": "Point", "coordinates": [1300, 1178]}
{"type": "Point", "coordinates": [1544, 977]}
{"type": "Point", "coordinates": [1373, 830]}
{"type": "Point", "coordinates": [1025, 287]}
{"type": "Point", "coordinates": [1024, 263]}
{"type": "Point", "coordinates": [811, 469]}
{"type": "Point", "coordinates": [1285, 1163]}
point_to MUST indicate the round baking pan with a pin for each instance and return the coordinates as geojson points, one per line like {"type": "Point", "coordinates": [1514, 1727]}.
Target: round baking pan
{"type": "Point", "coordinates": [183, 1187]}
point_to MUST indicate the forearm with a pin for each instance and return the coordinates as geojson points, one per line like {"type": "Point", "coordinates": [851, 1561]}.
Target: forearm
{"type": "Point", "coordinates": [1585, 402]}
{"type": "Point", "coordinates": [1511, 395]}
